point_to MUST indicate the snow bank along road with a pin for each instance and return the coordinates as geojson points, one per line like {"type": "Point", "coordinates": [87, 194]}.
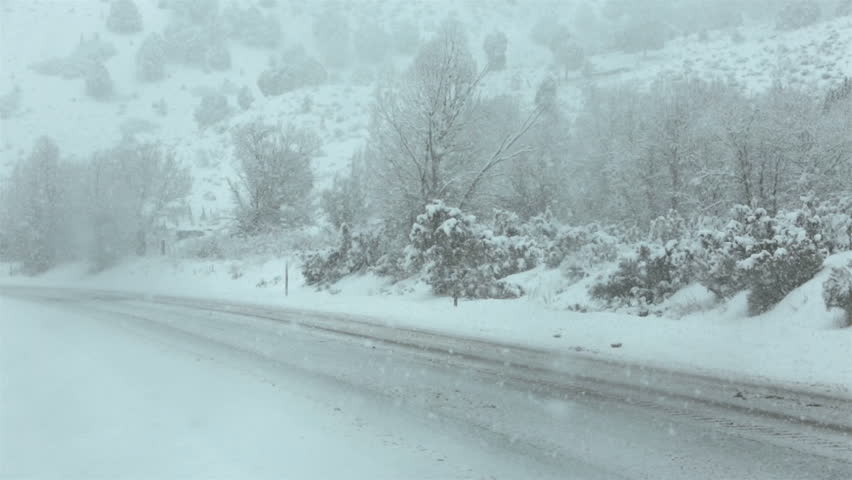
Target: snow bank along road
{"type": "Point", "coordinates": [107, 384]}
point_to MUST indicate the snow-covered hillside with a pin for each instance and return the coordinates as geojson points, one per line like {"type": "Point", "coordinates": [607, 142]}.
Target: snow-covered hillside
{"type": "Point", "coordinates": [754, 55]}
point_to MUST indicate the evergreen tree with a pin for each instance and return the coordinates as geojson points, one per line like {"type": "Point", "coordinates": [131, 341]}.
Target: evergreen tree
{"type": "Point", "coordinates": [124, 17]}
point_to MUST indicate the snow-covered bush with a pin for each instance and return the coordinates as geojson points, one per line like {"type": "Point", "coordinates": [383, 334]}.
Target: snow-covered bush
{"type": "Point", "coordinates": [567, 241]}
{"type": "Point", "coordinates": [189, 44]}
{"type": "Point", "coordinates": [797, 14]}
{"type": "Point", "coordinates": [836, 96]}
{"type": "Point", "coordinates": [219, 57]}
{"type": "Point", "coordinates": [124, 17]}
{"type": "Point", "coordinates": [769, 256]}
{"type": "Point", "coordinates": [356, 253]}
{"type": "Point", "coordinates": [599, 248]}
{"type": "Point", "coordinates": [494, 46]}
{"type": "Point", "coordinates": [195, 11]}
{"type": "Point", "coordinates": [510, 254]}
{"type": "Point", "coordinates": [251, 26]}
{"type": "Point", "coordinates": [99, 82]}
{"type": "Point", "coordinates": [10, 102]}
{"type": "Point", "coordinates": [461, 259]}
{"type": "Point", "coordinates": [778, 265]}
{"type": "Point", "coordinates": [837, 290]}
{"type": "Point", "coordinates": [666, 228]}
{"type": "Point", "coordinates": [567, 54]}
{"type": "Point", "coordinates": [151, 58]}
{"type": "Point", "coordinates": [213, 108]}
{"type": "Point", "coordinates": [652, 274]}
{"type": "Point", "coordinates": [835, 224]}
{"type": "Point", "coordinates": [89, 51]}
{"type": "Point", "coordinates": [280, 79]}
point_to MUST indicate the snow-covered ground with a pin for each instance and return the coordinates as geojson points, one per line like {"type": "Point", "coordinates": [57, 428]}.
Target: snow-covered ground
{"type": "Point", "coordinates": [796, 343]}
{"type": "Point", "coordinates": [84, 398]}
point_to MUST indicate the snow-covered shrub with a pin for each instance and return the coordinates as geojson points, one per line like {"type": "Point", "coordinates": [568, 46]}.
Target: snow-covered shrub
{"type": "Point", "coordinates": [837, 95]}
{"type": "Point", "coordinates": [652, 274]}
{"type": "Point", "coordinates": [835, 225]}
{"type": "Point", "coordinates": [151, 58]}
{"type": "Point", "coordinates": [543, 227]}
{"type": "Point", "coordinates": [10, 102]}
{"type": "Point", "coordinates": [251, 26]}
{"type": "Point", "coordinates": [189, 44]}
{"type": "Point", "coordinates": [124, 17]}
{"type": "Point", "coordinates": [280, 79]}
{"type": "Point", "coordinates": [356, 253]}
{"type": "Point", "coordinates": [566, 241]}
{"type": "Point", "coordinates": [219, 57]}
{"type": "Point", "coordinates": [779, 264]}
{"type": "Point", "coordinates": [461, 259]}
{"type": "Point", "coordinates": [567, 54]}
{"type": "Point", "coordinates": [584, 246]}
{"type": "Point", "coordinates": [89, 51]}
{"type": "Point", "coordinates": [510, 249]}
{"type": "Point", "coordinates": [206, 248]}
{"type": "Point", "coordinates": [510, 254]}
{"type": "Point", "coordinates": [195, 11]}
{"type": "Point", "coordinates": [770, 256]}
{"type": "Point", "coordinates": [797, 14]}
{"type": "Point", "coordinates": [98, 82]}
{"type": "Point", "coordinates": [837, 290]}
{"type": "Point", "coordinates": [600, 247]}
{"type": "Point", "coordinates": [213, 108]}
{"type": "Point", "coordinates": [494, 46]}
{"type": "Point", "coordinates": [672, 226]}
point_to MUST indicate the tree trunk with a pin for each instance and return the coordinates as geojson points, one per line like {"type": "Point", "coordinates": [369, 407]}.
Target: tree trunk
{"type": "Point", "coordinates": [141, 243]}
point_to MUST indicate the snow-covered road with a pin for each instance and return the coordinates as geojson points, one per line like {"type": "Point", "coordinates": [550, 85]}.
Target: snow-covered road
{"type": "Point", "coordinates": [125, 386]}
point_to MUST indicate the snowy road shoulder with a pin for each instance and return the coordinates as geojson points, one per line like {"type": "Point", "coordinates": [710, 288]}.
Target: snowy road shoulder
{"type": "Point", "coordinates": [792, 345]}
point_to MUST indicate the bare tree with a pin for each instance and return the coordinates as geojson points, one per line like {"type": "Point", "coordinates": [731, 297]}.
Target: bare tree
{"type": "Point", "coordinates": [427, 128]}
{"type": "Point", "coordinates": [274, 177]}
{"type": "Point", "coordinates": [128, 190]}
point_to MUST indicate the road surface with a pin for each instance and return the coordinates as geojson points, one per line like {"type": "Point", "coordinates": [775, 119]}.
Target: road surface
{"type": "Point", "coordinates": [156, 387]}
